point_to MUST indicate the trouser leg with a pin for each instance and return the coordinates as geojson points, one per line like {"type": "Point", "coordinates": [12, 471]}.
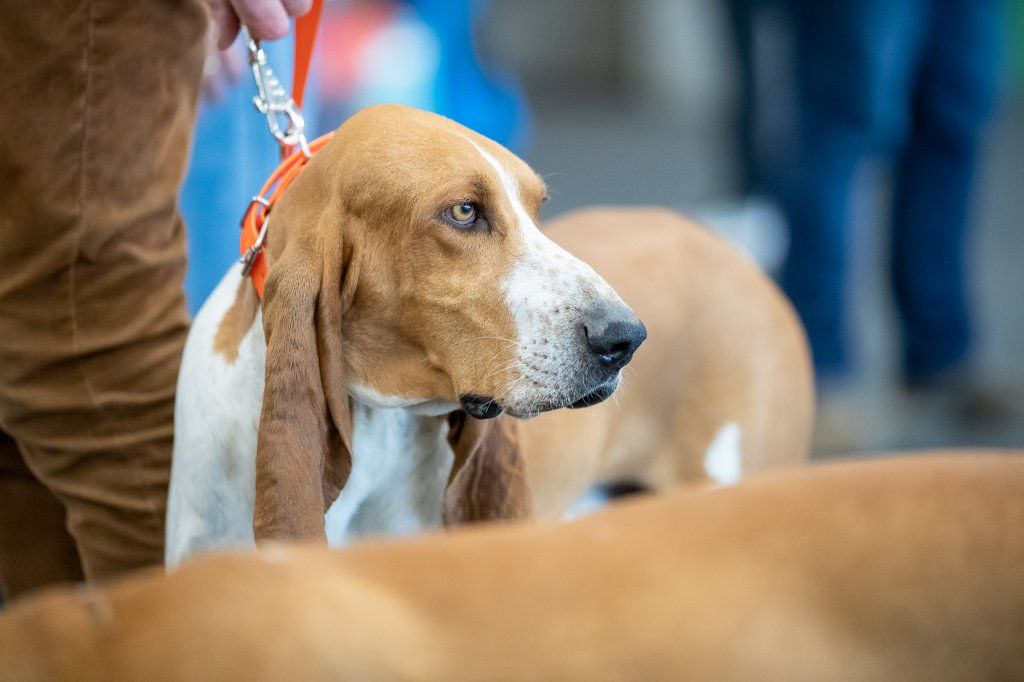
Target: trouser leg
{"type": "Point", "coordinates": [854, 62]}
{"type": "Point", "coordinates": [934, 182]}
{"type": "Point", "coordinates": [99, 100]}
{"type": "Point", "coordinates": [35, 547]}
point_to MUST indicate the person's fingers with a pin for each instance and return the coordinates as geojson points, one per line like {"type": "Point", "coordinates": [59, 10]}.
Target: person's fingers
{"type": "Point", "coordinates": [265, 19]}
{"type": "Point", "coordinates": [229, 29]}
{"type": "Point", "coordinates": [232, 64]}
{"type": "Point", "coordinates": [211, 70]}
{"type": "Point", "coordinates": [296, 8]}
{"type": "Point", "coordinates": [225, 22]}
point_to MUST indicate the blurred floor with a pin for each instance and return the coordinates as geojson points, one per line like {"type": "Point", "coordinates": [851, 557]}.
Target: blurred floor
{"type": "Point", "coordinates": [600, 150]}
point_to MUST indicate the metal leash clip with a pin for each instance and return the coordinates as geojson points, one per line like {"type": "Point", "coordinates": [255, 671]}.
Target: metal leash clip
{"type": "Point", "coordinates": [249, 257]}
{"type": "Point", "coordinates": [275, 103]}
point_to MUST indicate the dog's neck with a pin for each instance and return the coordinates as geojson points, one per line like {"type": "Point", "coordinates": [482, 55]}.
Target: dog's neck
{"type": "Point", "coordinates": [400, 467]}
{"type": "Point", "coordinates": [424, 407]}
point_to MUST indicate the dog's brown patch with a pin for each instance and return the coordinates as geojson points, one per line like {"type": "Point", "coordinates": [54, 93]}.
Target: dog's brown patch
{"type": "Point", "coordinates": [236, 322]}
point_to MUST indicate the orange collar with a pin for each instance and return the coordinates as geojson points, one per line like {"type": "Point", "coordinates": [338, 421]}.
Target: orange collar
{"type": "Point", "coordinates": [257, 216]}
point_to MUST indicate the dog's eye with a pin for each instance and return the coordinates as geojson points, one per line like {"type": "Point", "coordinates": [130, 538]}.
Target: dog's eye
{"type": "Point", "coordinates": [463, 214]}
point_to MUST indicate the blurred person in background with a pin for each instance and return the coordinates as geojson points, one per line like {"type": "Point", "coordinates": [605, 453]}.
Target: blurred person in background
{"type": "Point", "coordinates": [420, 53]}
{"type": "Point", "coordinates": [913, 81]}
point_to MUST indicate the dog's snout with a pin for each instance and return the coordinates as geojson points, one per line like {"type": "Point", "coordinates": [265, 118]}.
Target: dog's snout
{"type": "Point", "coordinates": [613, 339]}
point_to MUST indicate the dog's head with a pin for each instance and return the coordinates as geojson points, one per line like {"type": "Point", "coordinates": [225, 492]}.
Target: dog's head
{"type": "Point", "coordinates": [457, 296]}
{"type": "Point", "coordinates": [408, 252]}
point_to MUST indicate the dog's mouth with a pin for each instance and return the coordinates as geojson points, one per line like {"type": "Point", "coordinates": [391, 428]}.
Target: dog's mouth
{"type": "Point", "coordinates": [488, 407]}
{"type": "Point", "coordinates": [598, 395]}
{"type": "Point", "coordinates": [480, 406]}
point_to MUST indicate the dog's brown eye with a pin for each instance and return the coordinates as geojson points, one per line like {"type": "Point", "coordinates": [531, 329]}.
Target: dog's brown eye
{"type": "Point", "coordinates": [464, 214]}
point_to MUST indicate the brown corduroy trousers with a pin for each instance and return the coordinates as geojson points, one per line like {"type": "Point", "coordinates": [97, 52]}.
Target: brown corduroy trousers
{"type": "Point", "coordinates": [97, 103]}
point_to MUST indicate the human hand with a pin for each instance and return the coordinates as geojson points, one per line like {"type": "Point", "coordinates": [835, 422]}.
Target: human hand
{"type": "Point", "coordinates": [265, 19]}
{"type": "Point", "coordinates": [221, 71]}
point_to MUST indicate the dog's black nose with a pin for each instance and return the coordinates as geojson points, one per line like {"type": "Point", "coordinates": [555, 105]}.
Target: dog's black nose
{"type": "Point", "coordinates": [614, 341]}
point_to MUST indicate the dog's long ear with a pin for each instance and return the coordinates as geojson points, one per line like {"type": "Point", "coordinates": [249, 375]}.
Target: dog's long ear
{"type": "Point", "coordinates": [305, 433]}
{"type": "Point", "coordinates": [488, 479]}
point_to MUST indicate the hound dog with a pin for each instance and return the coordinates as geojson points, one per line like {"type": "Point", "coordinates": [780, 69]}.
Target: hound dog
{"type": "Point", "coordinates": [408, 276]}
{"type": "Point", "coordinates": [724, 387]}
{"type": "Point", "coordinates": [896, 569]}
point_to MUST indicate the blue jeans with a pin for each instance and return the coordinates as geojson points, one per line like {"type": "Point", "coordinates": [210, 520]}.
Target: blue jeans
{"type": "Point", "coordinates": [913, 80]}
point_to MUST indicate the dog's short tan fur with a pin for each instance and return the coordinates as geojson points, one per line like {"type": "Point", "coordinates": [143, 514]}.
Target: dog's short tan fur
{"type": "Point", "coordinates": [725, 347]}
{"type": "Point", "coordinates": [902, 569]}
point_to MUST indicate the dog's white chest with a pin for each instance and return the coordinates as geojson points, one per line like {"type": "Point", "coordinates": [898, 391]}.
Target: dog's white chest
{"type": "Point", "coordinates": [399, 470]}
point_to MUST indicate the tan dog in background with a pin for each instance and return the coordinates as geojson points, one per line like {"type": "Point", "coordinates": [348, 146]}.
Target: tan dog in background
{"type": "Point", "coordinates": [724, 384]}
{"type": "Point", "coordinates": [899, 569]}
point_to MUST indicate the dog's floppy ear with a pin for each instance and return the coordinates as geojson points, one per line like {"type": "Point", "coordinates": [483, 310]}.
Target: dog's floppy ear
{"type": "Point", "coordinates": [488, 479]}
{"type": "Point", "coordinates": [305, 432]}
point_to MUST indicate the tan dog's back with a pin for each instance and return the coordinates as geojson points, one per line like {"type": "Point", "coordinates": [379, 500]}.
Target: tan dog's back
{"type": "Point", "coordinates": [726, 358]}
{"type": "Point", "coordinates": [889, 569]}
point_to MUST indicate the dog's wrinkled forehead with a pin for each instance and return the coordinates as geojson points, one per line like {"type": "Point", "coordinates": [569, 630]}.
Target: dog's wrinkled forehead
{"type": "Point", "coordinates": [396, 156]}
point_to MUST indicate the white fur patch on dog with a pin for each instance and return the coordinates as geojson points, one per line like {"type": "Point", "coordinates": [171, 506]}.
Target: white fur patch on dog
{"type": "Point", "coordinates": [594, 500]}
{"type": "Point", "coordinates": [546, 291]}
{"type": "Point", "coordinates": [723, 460]}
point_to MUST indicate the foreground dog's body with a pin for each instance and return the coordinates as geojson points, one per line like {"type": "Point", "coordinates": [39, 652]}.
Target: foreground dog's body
{"type": "Point", "coordinates": [889, 569]}
{"type": "Point", "coordinates": [406, 272]}
{"type": "Point", "coordinates": [723, 387]}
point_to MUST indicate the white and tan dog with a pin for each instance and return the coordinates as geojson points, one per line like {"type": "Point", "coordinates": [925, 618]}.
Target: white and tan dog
{"type": "Point", "coordinates": [905, 569]}
{"type": "Point", "coordinates": [406, 272]}
{"type": "Point", "coordinates": [723, 387]}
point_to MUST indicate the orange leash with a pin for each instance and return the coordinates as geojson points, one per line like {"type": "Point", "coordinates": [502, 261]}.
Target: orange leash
{"type": "Point", "coordinates": [257, 216]}
{"type": "Point", "coordinates": [305, 37]}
